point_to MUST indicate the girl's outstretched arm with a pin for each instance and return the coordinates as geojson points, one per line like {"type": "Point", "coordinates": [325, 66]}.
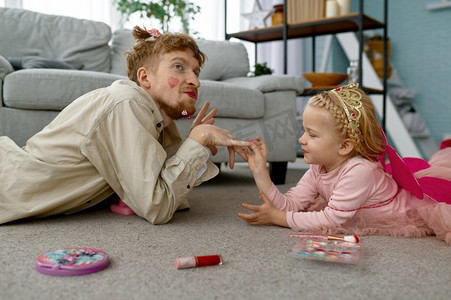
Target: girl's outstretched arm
{"type": "Point", "coordinates": [265, 214]}
{"type": "Point", "coordinates": [257, 164]}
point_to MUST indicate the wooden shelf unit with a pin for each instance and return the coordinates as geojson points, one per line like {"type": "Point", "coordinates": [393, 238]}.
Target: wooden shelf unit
{"type": "Point", "coordinates": [312, 28]}
{"type": "Point", "coordinates": [352, 22]}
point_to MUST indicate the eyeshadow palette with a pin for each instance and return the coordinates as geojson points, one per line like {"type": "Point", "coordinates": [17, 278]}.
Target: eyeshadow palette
{"type": "Point", "coordinates": [71, 261]}
{"type": "Point", "coordinates": [328, 250]}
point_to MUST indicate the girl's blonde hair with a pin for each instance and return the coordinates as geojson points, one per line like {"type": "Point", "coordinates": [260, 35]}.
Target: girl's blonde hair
{"type": "Point", "coordinates": [150, 45]}
{"type": "Point", "coordinates": [355, 118]}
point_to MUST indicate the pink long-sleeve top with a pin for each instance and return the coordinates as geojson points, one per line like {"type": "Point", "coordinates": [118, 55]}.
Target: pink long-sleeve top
{"type": "Point", "coordinates": [359, 186]}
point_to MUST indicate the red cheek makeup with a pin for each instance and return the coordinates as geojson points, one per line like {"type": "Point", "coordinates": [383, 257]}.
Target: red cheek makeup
{"type": "Point", "coordinates": [172, 82]}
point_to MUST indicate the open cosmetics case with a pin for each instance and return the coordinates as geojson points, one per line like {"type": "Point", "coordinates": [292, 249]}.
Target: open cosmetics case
{"type": "Point", "coordinates": [328, 248]}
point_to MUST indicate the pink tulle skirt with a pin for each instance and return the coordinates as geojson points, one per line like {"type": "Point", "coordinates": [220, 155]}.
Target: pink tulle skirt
{"type": "Point", "coordinates": [440, 165]}
{"type": "Point", "coordinates": [425, 220]}
{"type": "Point", "coordinates": [433, 219]}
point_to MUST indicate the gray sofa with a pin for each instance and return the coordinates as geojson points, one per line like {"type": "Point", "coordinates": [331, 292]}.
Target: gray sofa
{"type": "Point", "coordinates": [63, 58]}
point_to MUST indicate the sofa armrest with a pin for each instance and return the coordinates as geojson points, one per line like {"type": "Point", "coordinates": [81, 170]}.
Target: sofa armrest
{"type": "Point", "coordinates": [270, 83]}
{"type": "Point", "coordinates": [5, 67]}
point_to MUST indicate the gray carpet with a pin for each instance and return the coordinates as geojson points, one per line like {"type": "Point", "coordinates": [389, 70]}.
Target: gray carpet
{"type": "Point", "coordinates": [256, 261]}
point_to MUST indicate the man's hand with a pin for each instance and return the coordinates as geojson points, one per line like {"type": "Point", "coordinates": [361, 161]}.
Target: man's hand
{"type": "Point", "coordinates": [202, 119]}
{"type": "Point", "coordinates": [264, 214]}
{"type": "Point", "coordinates": [208, 119]}
{"type": "Point", "coordinates": [212, 136]}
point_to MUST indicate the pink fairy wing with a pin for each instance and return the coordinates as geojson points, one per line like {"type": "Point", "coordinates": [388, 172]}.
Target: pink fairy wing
{"type": "Point", "coordinates": [382, 156]}
{"type": "Point", "coordinates": [415, 164]}
{"type": "Point", "coordinates": [402, 170]}
{"type": "Point", "coordinates": [381, 159]}
{"type": "Point", "coordinates": [445, 144]}
{"type": "Point", "coordinates": [402, 174]}
{"type": "Point", "coordinates": [437, 188]}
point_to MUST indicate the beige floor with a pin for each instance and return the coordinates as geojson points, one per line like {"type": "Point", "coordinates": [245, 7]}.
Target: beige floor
{"type": "Point", "coordinates": [256, 261]}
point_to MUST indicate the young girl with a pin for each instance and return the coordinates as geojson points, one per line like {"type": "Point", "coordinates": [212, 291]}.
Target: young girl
{"type": "Point", "coordinates": [346, 190]}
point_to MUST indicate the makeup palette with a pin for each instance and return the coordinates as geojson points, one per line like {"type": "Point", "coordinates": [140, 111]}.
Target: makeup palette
{"type": "Point", "coordinates": [71, 261]}
{"type": "Point", "coordinates": [328, 250]}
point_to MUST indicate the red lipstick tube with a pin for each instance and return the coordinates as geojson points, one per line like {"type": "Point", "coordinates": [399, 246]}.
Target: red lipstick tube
{"type": "Point", "coordinates": [197, 261]}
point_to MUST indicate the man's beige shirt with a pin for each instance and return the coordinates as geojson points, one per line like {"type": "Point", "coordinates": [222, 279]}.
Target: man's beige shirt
{"type": "Point", "coordinates": [109, 140]}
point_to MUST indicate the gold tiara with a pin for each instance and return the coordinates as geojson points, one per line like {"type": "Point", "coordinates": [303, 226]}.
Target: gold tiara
{"type": "Point", "coordinates": [350, 98]}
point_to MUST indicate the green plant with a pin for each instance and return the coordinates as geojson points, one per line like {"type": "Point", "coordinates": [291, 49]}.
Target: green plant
{"type": "Point", "coordinates": [261, 69]}
{"type": "Point", "coordinates": [162, 10]}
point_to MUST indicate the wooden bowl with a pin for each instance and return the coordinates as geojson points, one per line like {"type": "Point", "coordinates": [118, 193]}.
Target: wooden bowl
{"type": "Point", "coordinates": [325, 80]}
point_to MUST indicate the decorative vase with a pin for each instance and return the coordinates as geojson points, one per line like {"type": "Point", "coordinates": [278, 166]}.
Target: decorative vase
{"type": "Point", "coordinates": [277, 16]}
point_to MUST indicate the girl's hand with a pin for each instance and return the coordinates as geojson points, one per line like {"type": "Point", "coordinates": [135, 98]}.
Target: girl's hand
{"type": "Point", "coordinates": [264, 214]}
{"type": "Point", "coordinates": [257, 155]}
{"type": "Point", "coordinates": [256, 158]}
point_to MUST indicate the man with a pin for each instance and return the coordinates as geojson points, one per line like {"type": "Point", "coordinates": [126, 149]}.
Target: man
{"type": "Point", "coordinates": [121, 139]}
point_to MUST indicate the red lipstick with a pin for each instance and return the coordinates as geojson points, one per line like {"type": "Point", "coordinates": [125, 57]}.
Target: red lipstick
{"type": "Point", "coordinates": [192, 94]}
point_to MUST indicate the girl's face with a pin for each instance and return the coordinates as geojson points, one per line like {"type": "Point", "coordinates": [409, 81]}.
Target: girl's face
{"type": "Point", "coordinates": [320, 145]}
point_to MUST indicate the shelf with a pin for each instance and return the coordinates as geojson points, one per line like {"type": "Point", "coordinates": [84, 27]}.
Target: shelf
{"type": "Point", "coordinates": [309, 28]}
{"type": "Point", "coordinates": [356, 22]}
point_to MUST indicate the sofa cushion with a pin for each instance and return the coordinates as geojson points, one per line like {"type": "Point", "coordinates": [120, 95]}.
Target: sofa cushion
{"type": "Point", "coordinates": [51, 89]}
{"type": "Point", "coordinates": [232, 101]}
{"type": "Point", "coordinates": [122, 41]}
{"type": "Point", "coordinates": [224, 60]}
{"type": "Point", "coordinates": [36, 62]}
{"type": "Point", "coordinates": [270, 83]}
{"type": "Point", "coordinates": [58, 37]}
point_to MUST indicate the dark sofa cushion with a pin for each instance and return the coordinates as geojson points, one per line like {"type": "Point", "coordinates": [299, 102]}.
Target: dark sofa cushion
{"type": "Point", "coordinates": [37, 62]}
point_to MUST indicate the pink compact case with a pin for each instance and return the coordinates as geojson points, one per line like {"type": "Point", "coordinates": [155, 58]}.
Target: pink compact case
{"type": "Point", "coordinates": [71, 261]}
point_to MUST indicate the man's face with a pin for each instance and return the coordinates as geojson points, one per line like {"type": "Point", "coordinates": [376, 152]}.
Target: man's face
{"type": "Point", "coordinates": [174, 85]}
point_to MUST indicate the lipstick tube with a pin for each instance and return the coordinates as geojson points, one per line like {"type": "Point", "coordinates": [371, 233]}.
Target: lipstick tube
{"type": "Point", "coordinates": [197, 261]}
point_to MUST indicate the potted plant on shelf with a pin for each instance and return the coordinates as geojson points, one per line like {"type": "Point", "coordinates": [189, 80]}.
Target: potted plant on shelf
{"type": "Point", "coordinates": [261, 69]}
{"type": "Point", "coordinates": [162, 10]}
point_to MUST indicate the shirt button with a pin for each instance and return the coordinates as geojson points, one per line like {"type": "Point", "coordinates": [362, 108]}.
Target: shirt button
{"type": "Point", "coordinates": [188, 186]}
{"type": "Point", "coordinates": [159, 125]}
